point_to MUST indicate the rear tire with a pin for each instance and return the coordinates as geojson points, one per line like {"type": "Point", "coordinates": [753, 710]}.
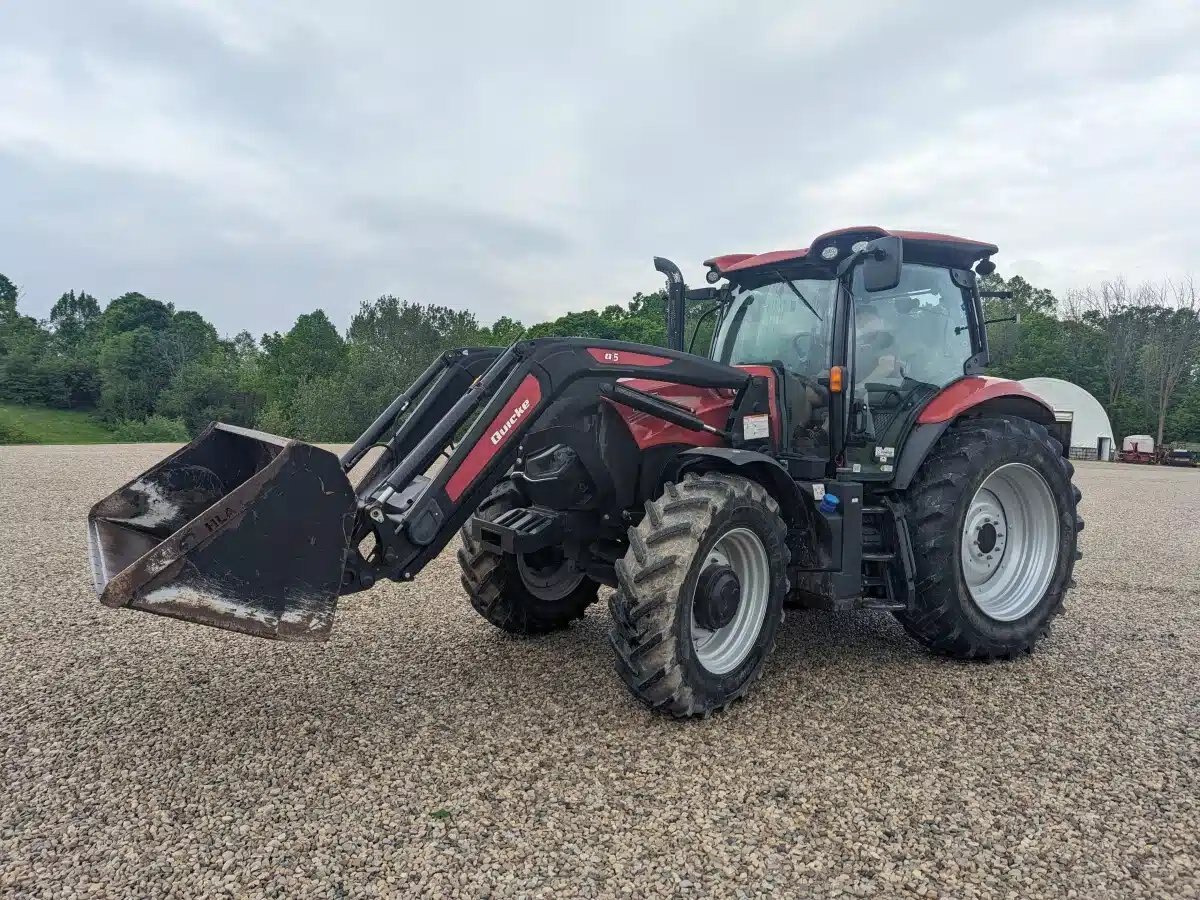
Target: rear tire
{"type": "Point", "coordinates": [533, 594]}
{"type": "Point", "coordinates": [671, 654]}
{"type": "Point", "coordinates": [993, 513]}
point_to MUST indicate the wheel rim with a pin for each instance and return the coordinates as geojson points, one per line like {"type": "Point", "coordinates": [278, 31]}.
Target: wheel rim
{"type": "Point", "coordinates": [723, 649]}
{"type": "Point", "coordinates": [1010, 542]}
{"type": "Point", "coordinates": [549, 576]}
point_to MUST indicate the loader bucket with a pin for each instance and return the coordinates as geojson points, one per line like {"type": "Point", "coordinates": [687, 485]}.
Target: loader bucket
{"type": "Point", "coordinates": [239, 529]}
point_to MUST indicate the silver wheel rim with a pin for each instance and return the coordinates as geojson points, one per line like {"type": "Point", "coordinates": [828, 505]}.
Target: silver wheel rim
{"type": "Point", "coordinates": [549, 582]}
{"type": "Point", "coordinates": [724, 649]}
{"type": "Point", "coordinates": [1010, 542]}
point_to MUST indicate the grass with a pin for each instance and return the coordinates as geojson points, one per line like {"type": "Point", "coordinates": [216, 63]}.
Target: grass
{"type": "Point", "coordinates": [36, 425]}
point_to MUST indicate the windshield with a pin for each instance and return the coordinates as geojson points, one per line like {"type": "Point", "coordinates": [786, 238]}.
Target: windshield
{"type": "Point", "coordinates": [770, 324]}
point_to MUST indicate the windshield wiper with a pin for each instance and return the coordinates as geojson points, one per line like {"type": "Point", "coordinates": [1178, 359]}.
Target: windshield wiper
{"type": "Point", "coordinates": [796, 291]}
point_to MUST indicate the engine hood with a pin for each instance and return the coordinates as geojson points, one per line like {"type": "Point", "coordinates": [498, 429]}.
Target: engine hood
{"type": "Point", "coordinates": [712, 405]}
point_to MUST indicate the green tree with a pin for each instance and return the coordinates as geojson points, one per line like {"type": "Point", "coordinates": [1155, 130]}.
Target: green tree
{"type": "Point", "coordinates": [71, 317]}
{"type": "Point", "coordinates": [67, 381]}
{"type": "Point", "coordinates": [23, 345]}
{"type": "Point", "coordinates": [312, 349]}
{"type": "Point", "coordinates": [132, 311]}
{"type": "Point", "coordinates": [132, 374]}
{"type": "Point", "coordinates": [188, 338]}
{"type": "Point", "coordinates": [8, 303]}
{"type": "Point", "coordinates": [1169, 355]}
{"type": "Point", "coordinates": [642, 321]}
{"type": "Point", "coordinates": [389, 343]}
{"type": "Point", "coordinates": [1018, 348]}
{"type": "Point", "coordinates": [503, 332]}
{"type": "Point", "coordinates": [210, 389]}
{"type": "Point", "coordinates": [1183, 421]}
{"type": "Point", "coordinates": [131, 358]}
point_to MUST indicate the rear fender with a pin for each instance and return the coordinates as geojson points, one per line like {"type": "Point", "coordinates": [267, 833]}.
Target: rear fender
{"type": "Point", "coordinates": [983, 395]}
{"type": "Point", "coordinates": [975, 396]}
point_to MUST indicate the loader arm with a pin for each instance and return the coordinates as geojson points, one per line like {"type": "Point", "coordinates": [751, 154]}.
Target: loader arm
{"type": "Point", "coordinates": [413, 514]}
{"type": "Point", "coordinates": [261, 534]}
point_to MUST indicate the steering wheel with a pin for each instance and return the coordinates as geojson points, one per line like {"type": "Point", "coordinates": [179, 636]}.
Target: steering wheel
{"type": "Point", "coordinates": [802, 346]}
{"type": "Point", "coordinates": [819, 391]}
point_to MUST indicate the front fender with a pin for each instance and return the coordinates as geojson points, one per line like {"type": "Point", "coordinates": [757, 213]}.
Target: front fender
{"type": "Point", "coordinates": [796, 506]}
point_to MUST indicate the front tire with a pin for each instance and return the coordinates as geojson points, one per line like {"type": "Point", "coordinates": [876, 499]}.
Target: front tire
{"type": "Point", "coordinates": [535, 593]}
{"type": "Point", "coordinates": [995, 528]}
{"type": "Point", "coordinates": [701, 594]}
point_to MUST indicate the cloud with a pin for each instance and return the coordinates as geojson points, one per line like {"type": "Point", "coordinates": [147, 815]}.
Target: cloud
{"type": "Point", "coordinates": [255, 162]}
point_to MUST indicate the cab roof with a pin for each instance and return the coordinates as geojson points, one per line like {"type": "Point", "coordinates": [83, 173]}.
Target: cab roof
{"type": "Point", "coordinates": [921, 246]}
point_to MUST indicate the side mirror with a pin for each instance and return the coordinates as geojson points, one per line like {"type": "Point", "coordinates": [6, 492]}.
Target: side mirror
{"type": "Point", "coordinates": [882, 260]}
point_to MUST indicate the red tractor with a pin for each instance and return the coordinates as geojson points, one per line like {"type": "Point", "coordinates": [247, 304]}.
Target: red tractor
{"type": "Point", "coordinates": [838, 447]}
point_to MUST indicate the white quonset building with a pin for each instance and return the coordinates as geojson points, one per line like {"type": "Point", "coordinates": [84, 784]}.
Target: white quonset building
{"type": "Point", "coordinates": [1082, 422]}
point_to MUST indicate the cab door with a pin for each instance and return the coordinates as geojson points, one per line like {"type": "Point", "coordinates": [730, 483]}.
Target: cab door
{"type": "Point", "coordinates": [909, 342]}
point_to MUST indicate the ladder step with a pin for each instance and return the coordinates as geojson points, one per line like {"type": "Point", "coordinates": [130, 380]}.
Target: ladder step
{"type": "Point", "coordinates": [874, 510]}
{"type": "Point", "coordinates": [878, 557]}
{"type": "Point", "coordinates": [885, 605]}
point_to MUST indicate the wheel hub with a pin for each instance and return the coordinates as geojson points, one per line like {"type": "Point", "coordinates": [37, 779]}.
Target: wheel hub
{"type": "Point", "coordinates": [986, 539]}
{"type": "Point", "coordinates": [730, 602]}
{"type": "Point", "coordinates": [986, 531]}
{"type": "Point", "coordinates": [1010, 542]}
{"type": "Point", "coordinates": [717, 596]}
{"type": "Point", "coordinates": [548, 575]}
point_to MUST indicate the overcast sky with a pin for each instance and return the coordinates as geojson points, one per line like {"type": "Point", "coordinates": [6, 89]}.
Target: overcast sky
{"type": "Point", "coordinates": [254, 161]}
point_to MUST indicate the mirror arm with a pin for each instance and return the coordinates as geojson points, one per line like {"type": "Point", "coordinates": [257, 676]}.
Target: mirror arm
{"type": "Point", "coordinates": [1017, 318]}
{"type": "Point", "coordinates": [849, 263]}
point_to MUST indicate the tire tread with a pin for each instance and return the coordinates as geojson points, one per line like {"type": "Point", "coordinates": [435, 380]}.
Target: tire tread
{"type": "Point", "coordinates": [939, 621]}
{"type": "Point", "coordinates": [644, 606]}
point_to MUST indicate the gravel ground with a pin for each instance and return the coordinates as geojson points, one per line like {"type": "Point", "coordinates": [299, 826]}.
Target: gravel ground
{"type": "Point", "coordinates": [423, 752]}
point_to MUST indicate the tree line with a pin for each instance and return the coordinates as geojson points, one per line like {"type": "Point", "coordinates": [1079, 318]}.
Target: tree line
{"type": "Point", "coordinates": [154, 372]}
{"type": "Point", "coordinates": [1135, 348]}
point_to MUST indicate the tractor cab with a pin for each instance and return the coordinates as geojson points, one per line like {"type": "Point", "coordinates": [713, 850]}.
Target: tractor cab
{"type": "Point", "coordinates": [863, 329]}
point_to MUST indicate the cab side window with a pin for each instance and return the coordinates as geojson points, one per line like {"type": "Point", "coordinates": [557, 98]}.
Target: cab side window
{"type": "Point", "coordinates": [919, 331]}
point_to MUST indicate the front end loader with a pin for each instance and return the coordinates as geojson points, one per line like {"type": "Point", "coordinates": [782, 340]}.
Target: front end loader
{"type": "Point", "coordinates": [838, 447]}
